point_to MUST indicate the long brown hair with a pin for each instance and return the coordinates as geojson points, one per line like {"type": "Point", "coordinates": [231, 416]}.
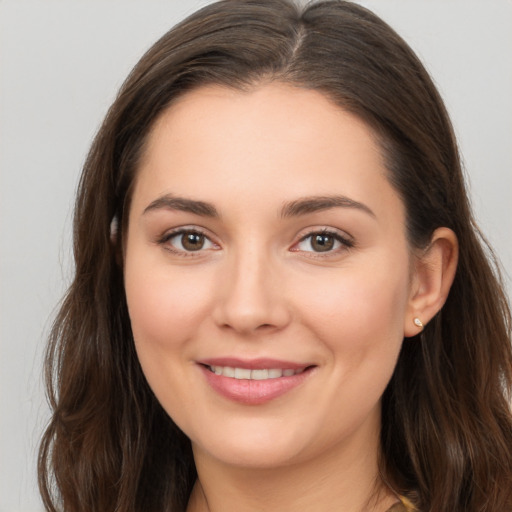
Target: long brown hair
{"type": "Point", "coordinates": [447, 423]}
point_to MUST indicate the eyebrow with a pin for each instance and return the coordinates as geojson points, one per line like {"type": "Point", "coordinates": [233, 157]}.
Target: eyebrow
{"type": "Point", "coordinates": [170, 202]}
{"type": "Point", "coordinates": [295, 208]}
{"type": "Point", "coordinates": [314, 204]}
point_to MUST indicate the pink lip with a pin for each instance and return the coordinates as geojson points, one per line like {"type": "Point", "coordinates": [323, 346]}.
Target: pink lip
{"type": "Point", "coordinates": [253, 392]}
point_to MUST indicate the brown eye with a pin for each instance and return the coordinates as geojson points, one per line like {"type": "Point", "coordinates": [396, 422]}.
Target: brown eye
{"type": "Point", "coordinates": [192, 241]}
{"type": "Point", "coordinates": [322, 242]}
{"type": "Point", "coordinates": [186, 241]}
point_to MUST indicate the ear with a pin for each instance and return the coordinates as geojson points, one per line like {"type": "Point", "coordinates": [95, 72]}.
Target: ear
{"type": "Point", "coordinates": [433, 274]}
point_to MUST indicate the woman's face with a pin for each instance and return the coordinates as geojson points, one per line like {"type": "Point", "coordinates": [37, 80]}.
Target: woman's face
{"type": "Point", "coordinates": [267, 274]}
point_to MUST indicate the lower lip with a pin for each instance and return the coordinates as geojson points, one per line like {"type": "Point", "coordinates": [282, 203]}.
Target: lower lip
{"type": "Point", "coordinates": [253, 392]}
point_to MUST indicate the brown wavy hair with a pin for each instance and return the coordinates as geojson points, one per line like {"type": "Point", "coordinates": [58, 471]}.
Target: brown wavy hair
{"type": "Point", "coordinates": [446, 427]}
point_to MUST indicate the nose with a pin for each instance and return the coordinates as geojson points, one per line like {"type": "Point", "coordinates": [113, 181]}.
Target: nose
{"type": "Point", "coordinates": [251, 296]}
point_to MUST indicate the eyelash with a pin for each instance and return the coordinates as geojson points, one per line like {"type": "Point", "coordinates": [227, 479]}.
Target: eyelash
{"type": "Point", "coordinates": [165, 239]}
{"type": "Point", "coordinates": [345, 242]}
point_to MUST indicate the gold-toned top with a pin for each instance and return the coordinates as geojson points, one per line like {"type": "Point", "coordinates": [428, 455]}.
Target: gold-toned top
{"type": "Point", "coordinates": [403, 506]}
{"type": "Point", "coordinates": [397, 507]}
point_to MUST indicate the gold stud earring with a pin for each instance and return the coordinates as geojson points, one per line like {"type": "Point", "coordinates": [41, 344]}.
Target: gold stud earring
{"type": "Point", "coordinates": [418, 322]}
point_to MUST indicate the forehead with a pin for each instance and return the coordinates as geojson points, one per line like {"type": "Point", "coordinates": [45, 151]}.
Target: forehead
{"type": "Point", "coordinates": [292, 112]}
{"type": "Point", "coordinates": [275, 140]}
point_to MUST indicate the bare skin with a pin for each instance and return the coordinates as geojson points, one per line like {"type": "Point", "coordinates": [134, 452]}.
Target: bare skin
{"type": "Point", "coordinates": [263, 231]}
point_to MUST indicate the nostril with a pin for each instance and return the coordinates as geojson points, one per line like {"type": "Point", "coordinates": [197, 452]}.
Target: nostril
{"type": "Point", "coordinates": [247, 312]}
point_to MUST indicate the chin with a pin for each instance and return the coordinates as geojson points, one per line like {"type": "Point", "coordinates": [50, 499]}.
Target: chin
{"type": "Point", "coordinates": [257, 448]}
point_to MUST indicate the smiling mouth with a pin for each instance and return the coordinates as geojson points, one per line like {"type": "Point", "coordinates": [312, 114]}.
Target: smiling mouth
{"type": "Point", "coordinates": [254, 374]}
{"type": "Point", "coordinates": [255, 381]}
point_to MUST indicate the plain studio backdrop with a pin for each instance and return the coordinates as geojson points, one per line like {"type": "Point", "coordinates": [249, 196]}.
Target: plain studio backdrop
{"type": "Point", "coordinates": [61, 63]}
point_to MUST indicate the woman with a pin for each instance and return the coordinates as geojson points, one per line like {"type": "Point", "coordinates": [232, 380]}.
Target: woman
{"type": "Point", "coordinates": [281, 299]}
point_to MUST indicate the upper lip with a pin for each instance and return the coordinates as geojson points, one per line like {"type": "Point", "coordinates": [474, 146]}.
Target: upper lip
{"type": "Point", "coordinates": [253, 364]}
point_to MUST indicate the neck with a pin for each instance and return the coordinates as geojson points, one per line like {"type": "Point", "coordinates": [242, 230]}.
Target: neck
{"type": "Point", "coordinates": [342, 480]}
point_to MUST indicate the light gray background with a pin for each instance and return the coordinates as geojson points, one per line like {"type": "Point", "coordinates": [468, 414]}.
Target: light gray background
{"type": "Point", "coordinates": [61, 63]}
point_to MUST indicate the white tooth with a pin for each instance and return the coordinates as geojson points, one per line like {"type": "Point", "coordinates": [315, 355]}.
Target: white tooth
{"type": "Point", "coordinates": [242, 373]}
{"type": "Point", "coordinates": [259, 374]}
{"type": "Point", "coordinates": [227, 371]}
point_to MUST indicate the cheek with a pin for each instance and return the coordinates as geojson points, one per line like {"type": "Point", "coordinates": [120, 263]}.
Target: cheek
{"type": "Point", "coordinates": [358, 319]}
{"type": "Point", "coordinates": [165, 305]}
{"type": "Point", "coordinates": [166, 308]}
{"type": "Point", "coordinates": [360, 313]}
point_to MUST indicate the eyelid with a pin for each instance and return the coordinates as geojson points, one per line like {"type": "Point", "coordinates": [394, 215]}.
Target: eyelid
{"type": "Point", "coordinates": [345, 239]}
{"type": "Point", "coordinates": [171, 233]}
